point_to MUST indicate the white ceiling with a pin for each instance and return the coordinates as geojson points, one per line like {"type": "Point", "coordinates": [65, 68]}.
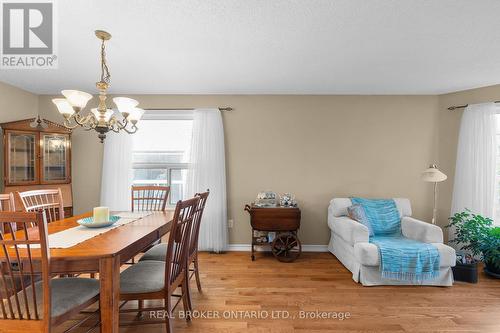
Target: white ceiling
{"type": "Point", "coordinates": [275, 46]}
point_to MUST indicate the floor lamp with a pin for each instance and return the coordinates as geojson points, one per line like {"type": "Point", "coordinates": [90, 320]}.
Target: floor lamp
{"type": "Point", "coordinates": [434, 175]}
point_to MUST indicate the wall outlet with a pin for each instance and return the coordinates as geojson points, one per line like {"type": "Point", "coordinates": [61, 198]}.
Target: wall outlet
{"type": "Point", "coordinates": [230, 223]}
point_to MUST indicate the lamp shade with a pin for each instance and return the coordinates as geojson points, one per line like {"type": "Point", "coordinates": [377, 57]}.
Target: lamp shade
{"type": "Point", "coordinates": [135, 115]}
{"type": "Point", "coordinates": [125, 105]}
{"type": "Point", "coordinates": [63, 106]}
{"type": "Point", "coordinates": [433, 175]}
{"type": "Point", "coordinates": [77, 98]}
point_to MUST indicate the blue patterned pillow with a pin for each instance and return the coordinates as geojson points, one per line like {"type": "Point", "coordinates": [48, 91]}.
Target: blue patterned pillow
{"type": "Point", "coordinates": [357, 213]}
{"type": "Point", "coordinates": [382, 214]}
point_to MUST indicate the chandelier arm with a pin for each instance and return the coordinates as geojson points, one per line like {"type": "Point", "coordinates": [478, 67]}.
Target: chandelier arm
{"type": "Point", "coordinates": [67, 124]}
{"type": "Point", "coordinates": [87, 121]}
{"type": "Point", "coordinates": [132, 130]}
{"type": "Point", "coordinates": [120, 125]}
{"type": "Point", "coordinates": [114, 129]}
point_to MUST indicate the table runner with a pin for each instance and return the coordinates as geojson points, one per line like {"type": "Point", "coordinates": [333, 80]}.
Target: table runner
{"type": "Point", "coordinates": [73, 236]}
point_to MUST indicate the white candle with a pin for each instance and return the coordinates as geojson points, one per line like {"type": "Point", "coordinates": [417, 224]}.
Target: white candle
{"type": "Point", "coordinates": [101, 214]}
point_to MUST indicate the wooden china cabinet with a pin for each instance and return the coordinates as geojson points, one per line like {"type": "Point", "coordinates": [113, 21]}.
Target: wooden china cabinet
{"type": "Point", "coordinates": [37, 157]}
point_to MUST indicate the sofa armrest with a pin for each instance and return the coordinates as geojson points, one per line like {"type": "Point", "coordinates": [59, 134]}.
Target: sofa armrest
{"type": "Point", "coordinates": [349, 230]}
{"type": "Point", "coordinates": [421, 231]}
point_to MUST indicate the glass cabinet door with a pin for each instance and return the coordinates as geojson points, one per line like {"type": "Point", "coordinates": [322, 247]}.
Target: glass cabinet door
{"type": "Point", "coordinates": [55, 158]}
{"type": "Point", "coordinates": [22, 158]}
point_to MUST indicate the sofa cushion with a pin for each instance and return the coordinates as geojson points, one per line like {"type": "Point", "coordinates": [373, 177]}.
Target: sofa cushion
{"type": "Point", "coordinates": [368, 254]}
{"type": "Point", "coordinates": [357, 213]}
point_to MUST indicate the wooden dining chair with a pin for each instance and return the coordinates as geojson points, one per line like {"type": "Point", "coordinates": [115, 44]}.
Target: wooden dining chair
{"type": "Point", "coordinates": [27, 305]}
{"type": "Point", "coordinates": [158, 252]}
{"type": "Point", "coordinates": [149, 198]}
{"type": "Point", "coordinates": [7, 202]}
{"type": "Point", "coordinates": [158, 280]}
{"type": "Point", "coordinates": [49, 200]}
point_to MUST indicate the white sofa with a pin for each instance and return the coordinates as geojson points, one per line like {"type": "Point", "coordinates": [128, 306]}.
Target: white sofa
{"type": "Point", "coordinates": [349, 242]}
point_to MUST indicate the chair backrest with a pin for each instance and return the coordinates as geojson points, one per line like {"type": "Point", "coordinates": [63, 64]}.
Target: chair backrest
{"type": "Point", "coordinates": [49, 200]}
{"type": "Point", "coordinates": [149, 198]}
{"type": "Point", "coordinates": [18, 262]}
{"type": "Point", "coordinates": [7, 202]}
{"type": "Point", "coordinates": [195, 230]}
{"type": "Point", "coordinates": [178, 241]}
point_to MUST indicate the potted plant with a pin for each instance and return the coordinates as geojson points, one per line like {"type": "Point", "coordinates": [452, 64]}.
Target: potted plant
{"type": "Point", "coordinates": [490, 249]}
{"type": "Point", "coordinates": [476, 234]}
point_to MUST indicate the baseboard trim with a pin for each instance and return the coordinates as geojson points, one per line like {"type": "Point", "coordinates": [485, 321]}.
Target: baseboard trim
{"type": "Point", "coordinates": [248, 248]}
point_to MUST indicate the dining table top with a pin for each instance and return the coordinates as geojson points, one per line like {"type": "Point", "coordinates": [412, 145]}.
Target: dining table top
{"type": "Point", "coordinates": [110, 243]}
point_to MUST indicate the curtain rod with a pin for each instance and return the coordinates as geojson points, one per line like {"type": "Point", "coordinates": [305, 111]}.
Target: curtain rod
{"type": "Point", "coordinates": [451, 108]}
{"type": "Point", "coordinates": [227, 108]}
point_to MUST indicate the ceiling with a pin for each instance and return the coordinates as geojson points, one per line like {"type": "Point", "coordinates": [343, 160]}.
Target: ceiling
{"type": "Point", "coordinates": [274, 47]}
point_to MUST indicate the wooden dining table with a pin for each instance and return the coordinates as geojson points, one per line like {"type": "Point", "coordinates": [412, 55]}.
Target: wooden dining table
{"type": "Point", "coordinates": [105, 253]}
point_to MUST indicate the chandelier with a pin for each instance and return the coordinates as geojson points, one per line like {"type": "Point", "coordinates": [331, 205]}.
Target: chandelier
{"type": "Point", "coordinates": [101, 119]}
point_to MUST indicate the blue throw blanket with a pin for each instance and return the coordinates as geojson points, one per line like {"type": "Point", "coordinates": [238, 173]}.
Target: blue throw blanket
{"type": "Point", "coordinates": [406, 259]}
{"type": "Point", "coordinates": [401, 258]}
{"type": "Point", "coordinates": [382, 214]}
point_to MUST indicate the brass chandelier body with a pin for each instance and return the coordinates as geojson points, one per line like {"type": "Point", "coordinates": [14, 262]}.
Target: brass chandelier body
{"type": "Point", "coordinates": [100, 119]}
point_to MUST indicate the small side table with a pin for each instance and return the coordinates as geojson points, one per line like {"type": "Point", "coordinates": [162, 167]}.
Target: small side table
{"type": "Point", "coordinates": [285, 222]}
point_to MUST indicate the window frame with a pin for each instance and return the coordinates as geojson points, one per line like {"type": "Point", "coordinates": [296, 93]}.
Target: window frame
{"type": "Point", "coordinates": [168, 167]}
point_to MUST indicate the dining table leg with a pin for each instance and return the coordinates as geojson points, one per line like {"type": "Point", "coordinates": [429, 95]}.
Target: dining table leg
{"type": "Point", "coordinates": [109, 277]}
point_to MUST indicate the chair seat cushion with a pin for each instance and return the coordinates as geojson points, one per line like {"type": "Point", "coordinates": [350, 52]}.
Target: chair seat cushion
{"type": "Point", "coordinates": [144, 277]}
{"type": "Point", "coordinates": [157, 253]}
{"type": "Point", "coordinates": [66, 294]}
{"type": "Point", "coordinates": [368, 254]}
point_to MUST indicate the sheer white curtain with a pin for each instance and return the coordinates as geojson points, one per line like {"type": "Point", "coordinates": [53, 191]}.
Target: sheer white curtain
{"type": "Point", "coordinates": [207, 170]}
{"type": "Point", "coordinates": [117, 172]}
{"type": "Point", "coordinates": [474, 186]}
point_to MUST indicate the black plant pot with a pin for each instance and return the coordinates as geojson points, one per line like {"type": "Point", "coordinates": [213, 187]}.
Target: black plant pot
{"type": "Point", "coordinates": [491, 270]}
{"type": "Point", "coordinates": [465, 272]}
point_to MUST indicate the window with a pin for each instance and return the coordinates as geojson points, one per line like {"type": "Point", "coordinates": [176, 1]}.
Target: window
{"type": "Point", "coordinates": [161, 149]}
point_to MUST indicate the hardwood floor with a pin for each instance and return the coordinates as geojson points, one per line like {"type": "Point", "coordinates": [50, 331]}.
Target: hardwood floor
{"type": "Point", "coordinates": [234, 284]}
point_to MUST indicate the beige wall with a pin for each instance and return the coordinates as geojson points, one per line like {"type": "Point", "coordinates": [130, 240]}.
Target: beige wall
{"type": "Point", "coordinates": [316, 147]}
{"type": "Point", "coordinates": [16, 104]}
{"type": "Point", "coordinates": [449, 125]}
